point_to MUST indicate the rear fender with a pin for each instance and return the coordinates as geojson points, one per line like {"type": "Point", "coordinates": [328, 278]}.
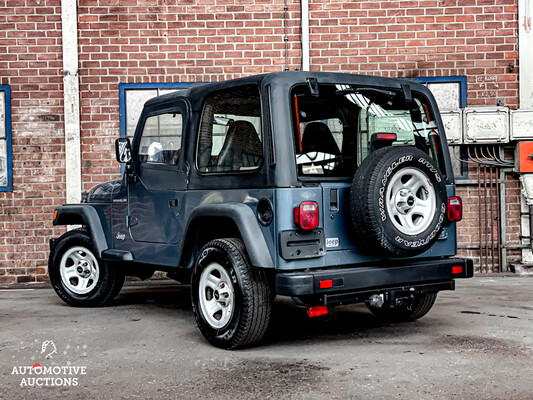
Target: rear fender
{"type": "Point", "coordinates": [238, 215]}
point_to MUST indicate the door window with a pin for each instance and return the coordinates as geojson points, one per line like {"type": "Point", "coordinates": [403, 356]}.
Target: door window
{"type": "Point", "coordinates": [161, 139]}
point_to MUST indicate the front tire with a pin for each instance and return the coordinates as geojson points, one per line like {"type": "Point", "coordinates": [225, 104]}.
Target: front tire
{"type": "Point", "coordinates": [231, 299]}
{"type": "Point", "coordinates": [79, 278]}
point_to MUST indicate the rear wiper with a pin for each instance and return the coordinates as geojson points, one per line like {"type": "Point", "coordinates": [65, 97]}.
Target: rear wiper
{"type": "Point", "coordinates": [362, 90]}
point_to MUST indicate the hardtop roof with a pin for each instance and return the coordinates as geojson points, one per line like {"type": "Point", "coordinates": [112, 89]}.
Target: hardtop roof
{"type": "Point", "coordinates": [195, 94]}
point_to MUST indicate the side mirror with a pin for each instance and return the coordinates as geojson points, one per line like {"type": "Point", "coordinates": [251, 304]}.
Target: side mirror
{"type": "Point", "coordinates": [123, 150]}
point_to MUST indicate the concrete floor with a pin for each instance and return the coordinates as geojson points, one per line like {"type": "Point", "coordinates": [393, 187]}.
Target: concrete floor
{"type": "Point", "coordinates": [476, 343]}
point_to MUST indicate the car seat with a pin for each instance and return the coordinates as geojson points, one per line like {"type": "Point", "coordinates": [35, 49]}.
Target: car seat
{"type": "Point", "coordinates": [318, 138]}
{"type": "Point", "coordinates": [242, 148]}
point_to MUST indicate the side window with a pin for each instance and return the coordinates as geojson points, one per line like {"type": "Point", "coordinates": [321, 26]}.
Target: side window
{"type": "Point", "coordinates": [161, 139]}
{"type": "Point", "coordinates": [230, 137]}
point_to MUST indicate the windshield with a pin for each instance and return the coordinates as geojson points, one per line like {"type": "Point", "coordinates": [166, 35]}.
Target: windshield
{"type": "Point", "coordinates": [336, 130]}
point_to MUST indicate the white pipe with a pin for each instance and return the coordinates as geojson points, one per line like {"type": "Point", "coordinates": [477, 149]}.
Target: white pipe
{"type": "Point", "coordinates": [71, 100]}
{"type": "Point", "coordinates": [525, 52]}
{"type": "Point", "coordinates": [305, 35]}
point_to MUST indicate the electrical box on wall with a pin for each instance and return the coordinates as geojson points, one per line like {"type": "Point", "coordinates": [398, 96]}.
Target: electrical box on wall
{"type": "Point", "coordinates": [486, 125]}
{"type": "Point", "coordinates": [524, 157]}
{"type": "Point", "coordinates": [521, 124]}
{"type": "Point", "coordinates": [453, 125]}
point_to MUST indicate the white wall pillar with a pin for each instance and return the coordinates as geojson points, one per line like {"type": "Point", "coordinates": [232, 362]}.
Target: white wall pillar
{"type": "Point", "coordinates": [525, 52]}
{"type": "Point", "coordinates": [305, 34]}
{"type": "Point", "coordinates": [71, 98]}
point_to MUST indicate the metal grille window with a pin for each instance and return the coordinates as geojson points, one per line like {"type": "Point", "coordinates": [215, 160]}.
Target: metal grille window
{"type": "Point", "coordinates": [132, 97]}
{"type": "Point", "coordinates": [230, 132]}
{"type": "Point", "coordinates": [6, 166]}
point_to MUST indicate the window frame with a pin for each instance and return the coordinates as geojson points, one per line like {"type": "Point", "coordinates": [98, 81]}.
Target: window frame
{"type": "Point", "coordinates": [9, 154]}
{"type": "Point", "coordinates": [460, 79]}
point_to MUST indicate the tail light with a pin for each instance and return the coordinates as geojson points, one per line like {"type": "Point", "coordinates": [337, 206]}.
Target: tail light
{"type": "Point", "coordinates": [306, 215]}
{"type": "Point", "coordinates": [387, 137]}
{"type": "Point", "coordinates": [455, 208]}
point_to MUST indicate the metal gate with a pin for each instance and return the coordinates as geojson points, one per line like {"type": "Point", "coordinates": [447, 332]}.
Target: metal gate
{"type": "Point", "coordinates": [490, 258]}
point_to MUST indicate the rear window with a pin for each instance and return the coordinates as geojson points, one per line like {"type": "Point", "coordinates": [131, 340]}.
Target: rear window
{"type": "Point", "coordinates": [336, 130]}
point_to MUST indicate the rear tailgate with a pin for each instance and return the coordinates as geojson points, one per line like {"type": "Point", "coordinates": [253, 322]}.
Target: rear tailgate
{"type": "Point", "coordinates": [338, 223]}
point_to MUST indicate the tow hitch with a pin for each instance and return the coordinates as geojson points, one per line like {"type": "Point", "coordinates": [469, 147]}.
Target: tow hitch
{"type": "Point", "coordinates": [396, 298]}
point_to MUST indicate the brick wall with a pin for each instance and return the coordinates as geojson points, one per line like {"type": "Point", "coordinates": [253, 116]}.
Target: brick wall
{"type": "Point", "coordinates": [172, 41]}
{"type": "Point", "coordinates": [134, 41]}
{"type": "Point", "coordinates": [30, 61]}
{"type": "Point", "coordinates": [476, 38]}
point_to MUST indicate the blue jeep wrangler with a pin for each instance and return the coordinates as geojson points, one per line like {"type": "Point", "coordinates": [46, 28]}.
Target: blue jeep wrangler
{"type": "Point", "coordinates": [330, 188]}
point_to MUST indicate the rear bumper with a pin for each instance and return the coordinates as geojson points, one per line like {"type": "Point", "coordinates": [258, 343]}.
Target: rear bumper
{"type": "Point", "coordinates": [432, 275]}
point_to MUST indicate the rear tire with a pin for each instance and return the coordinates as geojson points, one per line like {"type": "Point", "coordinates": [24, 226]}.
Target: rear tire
{"type": "Point", "coordinates": [421, 306]}
{"type": "Point", "coordinates": [231, 299]}
{"type": "Point", "coordinates": [77, 276]}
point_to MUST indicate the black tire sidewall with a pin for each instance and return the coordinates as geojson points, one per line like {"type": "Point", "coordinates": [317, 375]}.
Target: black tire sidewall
{"type": "Point", "coordinates": [377, 178]}
{"type": "Point", "coordinates": [215, 252]}
{"type": "Point", "coordinates": [103, 287]}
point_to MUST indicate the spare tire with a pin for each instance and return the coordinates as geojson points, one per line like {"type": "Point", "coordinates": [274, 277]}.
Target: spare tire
{"type": "Point", "coordinates": [398, 201]}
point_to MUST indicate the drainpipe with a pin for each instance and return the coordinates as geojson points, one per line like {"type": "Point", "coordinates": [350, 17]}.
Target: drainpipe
{"type": "Point", "coordinates": [305, 34]}
{"type": "Point", "coordinates": [71, 100]}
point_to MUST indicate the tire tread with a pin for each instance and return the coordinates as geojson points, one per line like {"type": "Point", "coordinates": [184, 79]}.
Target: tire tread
{"type": "Point", "coordinates": [367, 224]}
{"type": "Point", "coordinates": [256, 298]}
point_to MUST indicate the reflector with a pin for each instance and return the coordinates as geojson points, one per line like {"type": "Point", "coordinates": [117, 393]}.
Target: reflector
{"type": "Point", "coordinates": [317, 311]}
{"type": "Point", "coordinates": [326, 284]}
{"type": "Point", "coordinates": [457, 270]}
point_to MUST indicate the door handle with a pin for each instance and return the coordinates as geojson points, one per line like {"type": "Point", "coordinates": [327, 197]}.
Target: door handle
{"type": "Point", "coordinates": [333, 200]}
